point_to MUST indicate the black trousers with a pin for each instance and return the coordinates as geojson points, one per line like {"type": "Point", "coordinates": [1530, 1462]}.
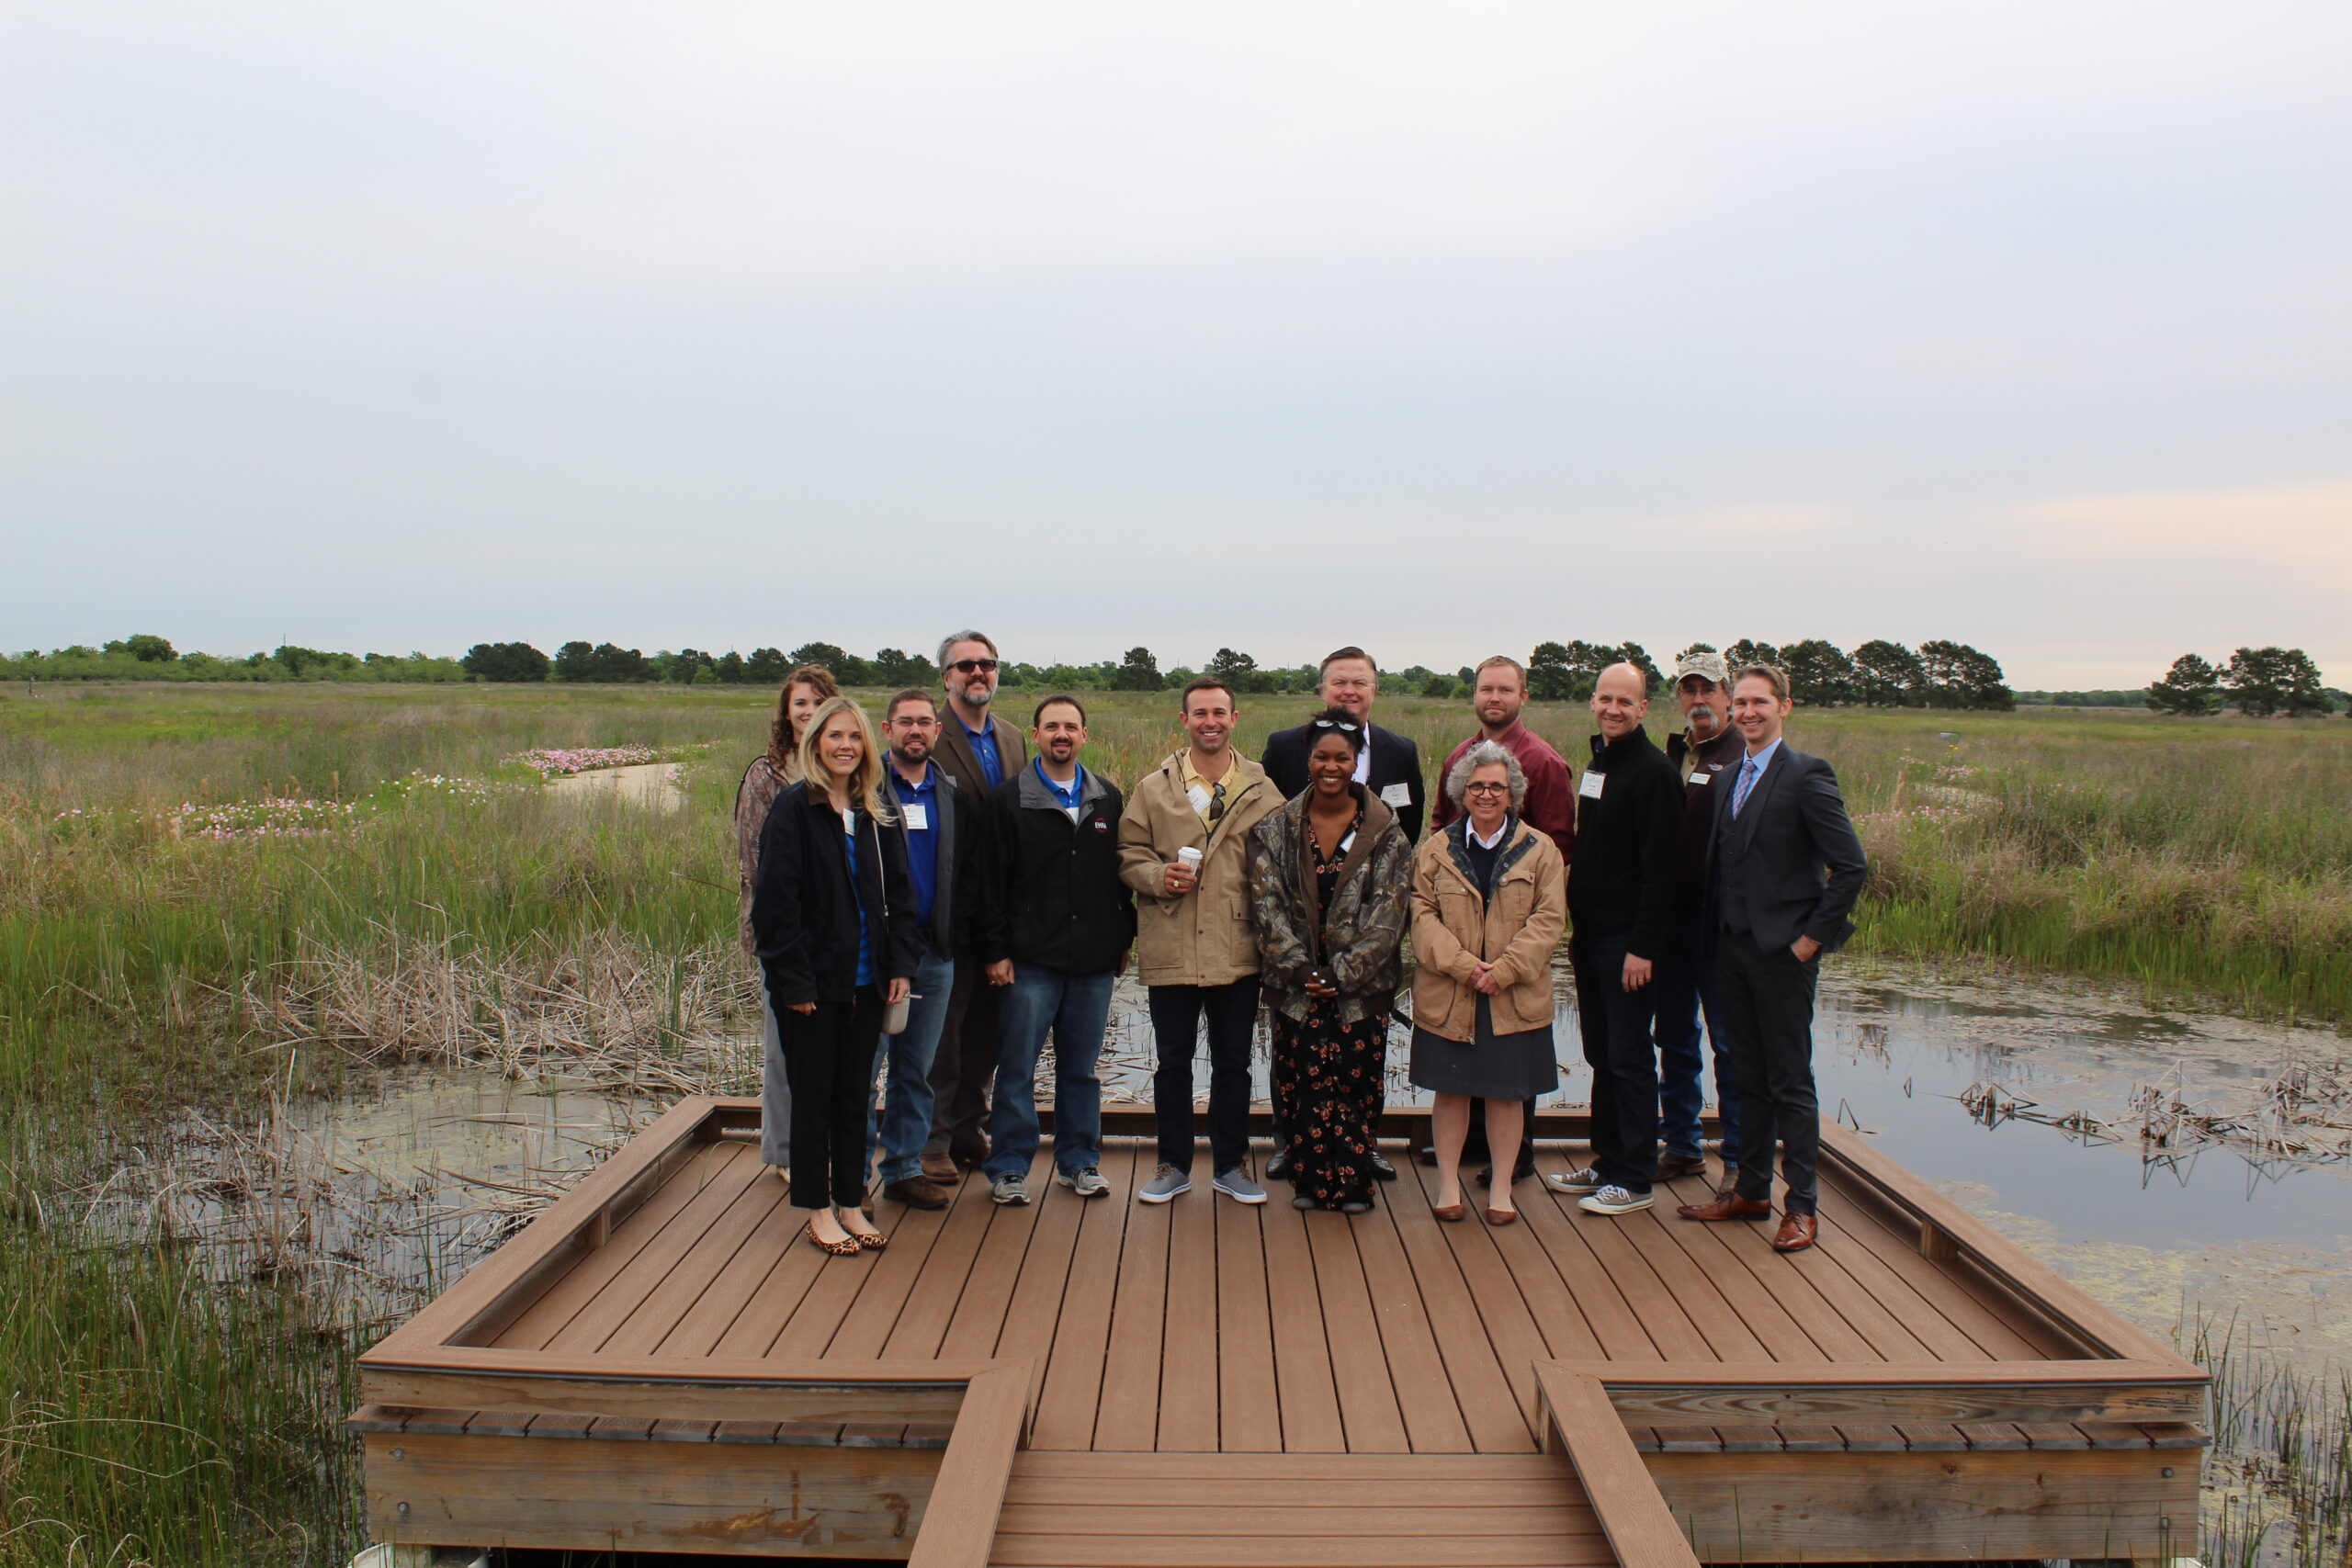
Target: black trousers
{"type": "Point", "coordinates": [1768, 1018]}
{"type": "Point", "coordinates": [1616, 1025]}
{"type": "Point", "coordinates": [963, 1069]}
{"type": "Point", "coordinates": [829, 1061]}
{"type": "Point", "coordinates": [1176, 1013]}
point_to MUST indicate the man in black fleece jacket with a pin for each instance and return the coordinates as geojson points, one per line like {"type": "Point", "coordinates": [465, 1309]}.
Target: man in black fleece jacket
{"type": "Point", "coordinates": [1621, 905]}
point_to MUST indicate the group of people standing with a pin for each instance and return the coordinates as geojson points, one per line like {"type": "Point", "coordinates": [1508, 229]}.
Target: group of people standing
{"type": "Point", "coordinates": [950, 893]}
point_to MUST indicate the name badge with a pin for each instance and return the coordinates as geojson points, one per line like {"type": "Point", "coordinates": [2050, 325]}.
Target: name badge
{"type": "Point", "coordinates": [1200, 797]}
{"type": "Point", "coordinates": [1397, 794]}
{"type": "Point", "coordinates": [918, 816]}
{"type": "Point", "coordinates": [1703, 776]}
{"type": "Point", "coordinates": [1591, 788]}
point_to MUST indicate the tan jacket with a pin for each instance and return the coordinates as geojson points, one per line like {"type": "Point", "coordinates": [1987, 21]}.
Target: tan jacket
{"type": "Point", "coordinates": [1454, 927]}
{"type": "Point", "coordinates": [1204, 938]}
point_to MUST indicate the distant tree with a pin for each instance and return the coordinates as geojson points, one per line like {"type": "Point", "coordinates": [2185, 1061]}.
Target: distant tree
{"type": "Point", "coordinates": [1551, 677]}
{"type": "Point", "coordinates": [605, 664]}
{"type": "Point", "coordinates": [573, 661]}
{"type": "Point", "coordinates": [490, 661]}
{"type": "Point", "coordinates": [730, 669]}
{"type": "Point", "coordinates": [767, 666]}
{"type": "Point", "coordinates": [842, 666]}
{"type": "Point", "coordinates": [893, 667]}
{"type": "Point", "coordinates": [1747, 650]}
{"type": "Point", "coordinates": [1887, 675]}
{"type": "Point", "coordinates": [146, 648]}
{"type": "Point", "coordinates": [1240, 671]}
{"type": "Point", "coordinates": [2266, 680]}
{"type": "Point", "coordinates": [2191, 688]}
{"type": "Point", "coordinates": [1441, 685]}
{"type": "Point", "coordinates": [1959, 676]}
{"type": "Point", "coordinates": [1695, 648]}
{"type": "Point", "coordinates": [1137, 671]}
{"type": "Point", "coordinates": [1820, 675]}
{"type": "Point", "coordinates": [1634, 654]}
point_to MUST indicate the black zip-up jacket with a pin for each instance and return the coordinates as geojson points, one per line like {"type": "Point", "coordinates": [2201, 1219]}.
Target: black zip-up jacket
{"type": "Point", "coordinates": [1629, 846]}
{"type": "Point", "coordinates": [1720, 755]}
{"type": "Point", "coordinates": [1051, 891]}
{"type": "Point", "coordinates": [803, 911]}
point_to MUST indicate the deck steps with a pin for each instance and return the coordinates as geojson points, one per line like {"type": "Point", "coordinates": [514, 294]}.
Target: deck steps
{"type": "Point", "coordinates": [1168, 1510]}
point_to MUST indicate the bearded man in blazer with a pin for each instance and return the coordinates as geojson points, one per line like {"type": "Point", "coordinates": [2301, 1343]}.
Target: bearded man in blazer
{"type": "Point", "coordinates": [979, 753]}
{"type": "Point", "coordinates": [1784, 870]}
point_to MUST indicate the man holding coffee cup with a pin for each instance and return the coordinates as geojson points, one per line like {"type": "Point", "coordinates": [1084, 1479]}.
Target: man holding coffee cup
{"type": "Point", "coordinates": [1184, 847]}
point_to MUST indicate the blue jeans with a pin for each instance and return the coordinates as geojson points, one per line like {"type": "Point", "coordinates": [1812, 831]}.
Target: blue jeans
{"type": "Point", "coordinates": [1616, 1024]}
{"type": "Point", "coordinates": [1686, 986]}
{"type": "Point", "coordinates": [1075, 1009]}
{"type": "Point", "coordinates": [905, 1121]}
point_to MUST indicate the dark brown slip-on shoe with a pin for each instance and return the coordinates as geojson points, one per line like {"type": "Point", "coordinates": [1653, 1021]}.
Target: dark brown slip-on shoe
{"type": "Point", "coordinates": [1726, 1205]}
{"type": "Point", "coordinates": [1672, 1166]}
{"type": "Point", "coordinates": [917, 1192]}
{"type": "Point", "coordinates": [940, 1169]}
{"type": "Point", "coordinates": [1797, 1233]}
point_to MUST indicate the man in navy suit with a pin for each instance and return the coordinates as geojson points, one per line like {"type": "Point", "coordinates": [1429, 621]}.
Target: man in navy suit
{"type": "Point", "coordinates": [1784, 871]}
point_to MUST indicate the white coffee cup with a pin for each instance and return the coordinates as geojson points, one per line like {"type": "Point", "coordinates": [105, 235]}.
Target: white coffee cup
{"type": "Point", "coordinates": [1190, 859]}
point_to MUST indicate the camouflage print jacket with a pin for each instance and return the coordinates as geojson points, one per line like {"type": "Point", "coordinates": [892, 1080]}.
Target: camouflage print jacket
{"type": "Point", "coordinates": [1358, 938]}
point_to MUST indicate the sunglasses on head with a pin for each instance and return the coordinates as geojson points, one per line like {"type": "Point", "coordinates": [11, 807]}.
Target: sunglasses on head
{"type": "Point", "coordinates": [974, 667]}
{"type": "Point", "coordinates": [1338, 724]}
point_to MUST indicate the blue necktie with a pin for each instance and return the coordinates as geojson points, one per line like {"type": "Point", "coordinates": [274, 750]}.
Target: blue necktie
{"type": "Point", "coordinates": [1747, 783]}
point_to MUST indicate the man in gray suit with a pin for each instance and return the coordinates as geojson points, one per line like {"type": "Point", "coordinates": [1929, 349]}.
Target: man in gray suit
{"type": "Point", "coordinates": [1785, 869]}
{"type": "Point", "coordinates": [978, 753]}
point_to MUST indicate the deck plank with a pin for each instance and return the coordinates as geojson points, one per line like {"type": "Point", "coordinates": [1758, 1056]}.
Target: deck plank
{"type": "Point", "coordinates": [1492, 1409]}
{"type": "Point", "coordinates": [1188, 1347]}
{"type": "Point", "coordinates": [1250, 1418]}
{"type": "Point", "coordinates": [994, 1284]}
{"type": "Point", "coordinates": [1304, 1385]}
{"type": "Point", "coordinates": [1073, 1383]}
{"type": "Point", "coordinates": [1126, 1415]}
{"type": "Point", "coordinates": [1368, 1402]}
{"type": "Point", "coordinates": [1417, 1371]}
{"type": "Point", "coordinates": [658, 1315]}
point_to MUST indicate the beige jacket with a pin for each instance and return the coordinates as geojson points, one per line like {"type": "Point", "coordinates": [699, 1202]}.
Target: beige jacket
{"type": "Point", "coordinates": [1454, 925]}
{"type": "Point", "coordinates": [1204, 938]}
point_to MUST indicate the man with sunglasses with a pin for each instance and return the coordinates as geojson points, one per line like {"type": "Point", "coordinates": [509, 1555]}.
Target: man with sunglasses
{"type": "Point", "coordinates": [978, 753]}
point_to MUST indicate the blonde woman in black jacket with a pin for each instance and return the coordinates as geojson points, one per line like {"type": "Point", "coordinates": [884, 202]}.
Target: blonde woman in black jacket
{"type": "Point", "coordinates": [833, 916]}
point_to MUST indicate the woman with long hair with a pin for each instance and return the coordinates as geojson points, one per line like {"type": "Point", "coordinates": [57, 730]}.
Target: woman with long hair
{"type": "Point", "coordinates": [805, 690]}
{"type": "Point", "coordinates": [833, 913]}
{"type": "Point", "coordinates": [1330, 877]}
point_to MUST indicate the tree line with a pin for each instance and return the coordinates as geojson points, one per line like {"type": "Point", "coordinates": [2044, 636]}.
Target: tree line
{"type": "Point", "coordinates": [2261, 683]}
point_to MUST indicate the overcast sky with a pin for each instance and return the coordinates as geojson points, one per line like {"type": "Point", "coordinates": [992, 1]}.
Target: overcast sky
{"type": "Point", "coordinates": [1445, 328]}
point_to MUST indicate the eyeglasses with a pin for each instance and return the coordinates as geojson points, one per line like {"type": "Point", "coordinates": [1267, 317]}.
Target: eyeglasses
{"type": "Point", "coordinates": [974, 667]}
{"type": "Point", "coordinates": [1485, 789]}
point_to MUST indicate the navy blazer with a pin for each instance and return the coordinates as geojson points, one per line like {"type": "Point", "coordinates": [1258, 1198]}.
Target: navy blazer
{"type": "Point", "coordinates": [1396, 760]}
{"type": "Point", "coordinates": [1790, 860]}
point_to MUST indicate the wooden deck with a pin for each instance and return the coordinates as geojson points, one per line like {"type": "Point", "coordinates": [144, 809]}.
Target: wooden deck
{"type": "Point", "coordinates": [1203, 1384]}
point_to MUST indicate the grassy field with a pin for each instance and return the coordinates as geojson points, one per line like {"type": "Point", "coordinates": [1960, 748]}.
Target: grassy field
{"type": "Point", "coordinates": [212, 895]}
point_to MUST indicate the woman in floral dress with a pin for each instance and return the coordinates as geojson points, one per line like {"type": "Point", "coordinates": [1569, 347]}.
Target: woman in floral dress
{"type": "Point", "coordinates": [1330, 879]}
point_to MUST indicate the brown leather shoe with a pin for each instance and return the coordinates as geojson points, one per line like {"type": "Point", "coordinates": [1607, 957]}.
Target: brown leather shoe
{"type": "Point", "coordinates": [1797, 1233]}
{"type": "Point", "coordinates": [1726, 1205]}
{"type": "Point", "coordinates": [917, 1192]}
{"type": "Point", "coordinates": [940, 1169]}
{"type": "Point", "coordinates": [970, 1158]}
{"type": "Point", "coordinates": [1671, 1165]}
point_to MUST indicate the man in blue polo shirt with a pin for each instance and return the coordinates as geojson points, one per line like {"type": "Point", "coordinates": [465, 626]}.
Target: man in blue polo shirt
{"type": "Point", "coordinates": [930, 814]}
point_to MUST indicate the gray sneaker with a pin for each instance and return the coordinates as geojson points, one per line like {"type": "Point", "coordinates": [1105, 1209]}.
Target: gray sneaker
{"type": "Point", "coordinates": [1236, 1184]}
{"type": "Point", "coordinates": [1087, 1183]}
{"type": "Point", "coordinates": [1009, 1190]}
{"type": "Point", "coordinates": [1165, 1183]}
{"type": "Point", "coordinates": [1577, 1184]}
{"type": "Point", "coordinates": [1614, 1200]}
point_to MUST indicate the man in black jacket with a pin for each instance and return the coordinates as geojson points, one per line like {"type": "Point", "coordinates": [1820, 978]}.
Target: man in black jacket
{"type": "Point", "coordinates": [1707, 751]}
{"type": "Point", "coordinates": [1785, 868]}
{"type": "Point", "coordinates": [1055, 925]}
{"type": "Point", "coordinates": [1621, 900]}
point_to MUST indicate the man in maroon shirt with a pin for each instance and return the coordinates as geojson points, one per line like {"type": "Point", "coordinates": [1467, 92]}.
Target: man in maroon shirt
{"type": "Point", "coordinates": [1501, 693]}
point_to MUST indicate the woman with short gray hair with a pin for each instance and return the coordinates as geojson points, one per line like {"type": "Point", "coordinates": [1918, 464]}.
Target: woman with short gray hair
{"type": "Point", "coordinates": [1490, 901]}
